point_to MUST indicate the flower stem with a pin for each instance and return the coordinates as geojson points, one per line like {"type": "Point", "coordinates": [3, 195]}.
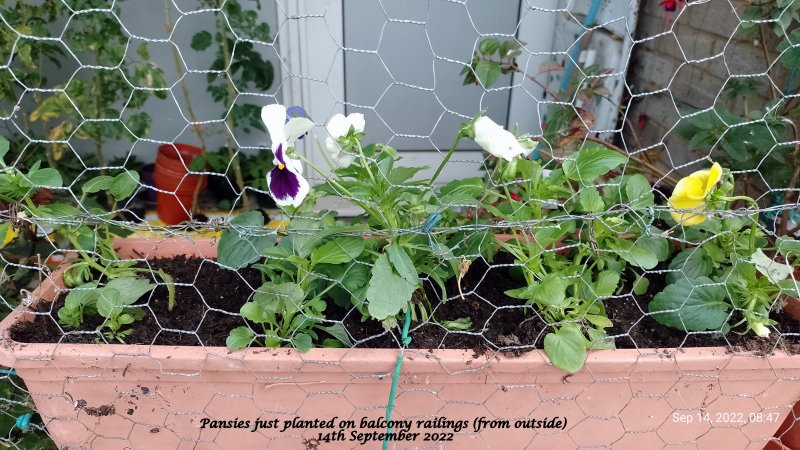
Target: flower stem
{"type": "Point", "coordinates": [755, 217]}
{"type": "Point", "coordinates": [338, 186]}
{"type": "Point", "coordinates": [445, 160]}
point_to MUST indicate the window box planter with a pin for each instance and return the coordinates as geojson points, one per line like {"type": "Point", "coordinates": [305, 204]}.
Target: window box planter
{"type": "Point", "coordinates": [139, 396]}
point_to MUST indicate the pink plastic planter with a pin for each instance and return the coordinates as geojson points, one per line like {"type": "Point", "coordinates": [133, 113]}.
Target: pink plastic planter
{"type": "Point", "coordinates": [145, 397]}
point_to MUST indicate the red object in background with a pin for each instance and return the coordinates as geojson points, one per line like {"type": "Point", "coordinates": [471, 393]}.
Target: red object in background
{"type": "Point", "coordinates": [171, 174]}
{"type": "Point", "coordinates": [43, 197]}
{"type": "Point", "coordinates": [641, 122]}
{"type": "Point", "coordinates": [671, 5]}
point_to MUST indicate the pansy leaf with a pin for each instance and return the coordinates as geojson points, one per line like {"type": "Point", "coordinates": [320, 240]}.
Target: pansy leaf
{"type": "Point", "coordinates": [340, 250]}
{"type": "Point", "coordinates": [244, 240]}
{"type": "Point", "coordinates": [691, 305]}
{"type": "Point", "coordinates": [388, 293]}
{"type": "Point", "coordinates": [591, 162]}
{"type": "Point", "coordinates": [240, 337]}
{"type": "Point", "coordinates": [690, 264]}
{"type": "Point", "coordinates": [566, 348]}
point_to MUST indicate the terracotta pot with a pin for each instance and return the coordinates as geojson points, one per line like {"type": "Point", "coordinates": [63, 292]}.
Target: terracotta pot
{"type": "Point", "coordinates": [171, 175]}
{"type": "Point", "coordinates": [150, 396]}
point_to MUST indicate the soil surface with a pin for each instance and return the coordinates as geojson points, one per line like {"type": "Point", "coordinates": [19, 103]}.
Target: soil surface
{"type": "Point", "coordinates": [208, 299]}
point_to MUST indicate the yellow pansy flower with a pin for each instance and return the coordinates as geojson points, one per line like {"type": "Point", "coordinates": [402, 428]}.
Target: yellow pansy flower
{"type": "Point", "coordinates": [691, 193]}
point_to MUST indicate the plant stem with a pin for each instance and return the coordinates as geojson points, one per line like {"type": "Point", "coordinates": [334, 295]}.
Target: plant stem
{"type": "Point", "coordinates": [230, 97]}
{"type": "Point", "coordinates": [187, 99]}
{"type": "Point", "coordinates": [755, 218]}
{"type": "Point", "coordinates": [364, 164]}
{"type": "Point", "coordinates": [342, 189]}
{"type": "Point", "coordinates": [446, 158]}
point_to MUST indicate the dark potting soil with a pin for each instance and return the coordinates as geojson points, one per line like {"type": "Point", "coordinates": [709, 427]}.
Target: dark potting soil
{"type": "Point", "coordinates": [208, 298]}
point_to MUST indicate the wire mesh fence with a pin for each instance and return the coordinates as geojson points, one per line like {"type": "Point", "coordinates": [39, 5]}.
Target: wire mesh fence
{"type": "Point", "coordinates": [514, 224]}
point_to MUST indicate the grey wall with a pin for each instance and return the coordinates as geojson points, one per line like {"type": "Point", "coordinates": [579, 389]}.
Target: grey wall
{"type": "Point", "coordinates": [685, 63]}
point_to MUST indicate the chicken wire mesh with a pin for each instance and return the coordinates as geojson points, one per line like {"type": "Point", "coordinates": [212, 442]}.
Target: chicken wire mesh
{"type": "Point", "coordinates": [592, 231]}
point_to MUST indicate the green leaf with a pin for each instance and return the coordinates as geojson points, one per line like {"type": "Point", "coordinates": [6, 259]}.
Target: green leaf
{"type": "Point", "coordinates": [489, 46]}
{"type": "Point", "coordinates": [400, 175]}
{"type": "Point", "coordinates": [790, 287]}
{"type": "Point", "coordinates": [124, 185]}
{"type": "Point", "coordinates": [467, 187]}
{"type": "Point", "coordinates": [130, 288]}
{"type": "Point", "coordinates": [598, 320]}
{"type": "Point", "coordinates": [338, 331]}
{"type": "Point", "coordinates": [635, 254]}
{"type": "Point", "coordinates": [243, 242]}
{"type": "Point", "coordinates": [509, 48]}
{"type": "Point", "coordinates": [340, 250]}
{"type": "Point", "coordinates": [641, 284]}
{"type": "Point", "coordinates": [773, 270]}
{"type": "Point", "coordinates": [170, 282]}
{"type": "Point", "coordinates": [787, 246]}
{"type": "Point", "coordinates": [550, 233]}
{"type": "Point", "coordinates": [253, 312]}
{"type": "Point", "coordinates": [4, 146]}
{"type": "Point", "coordinates": [550, 290]}
{"type": "Point", "coordinates": [590, 200]}
{"type": "Point", "coordinates": [566, 348]}
{"type": "Point", "coordinates": [690, 264]}
{"type": "Point", "coordinates": [201, 41]}
{"type": "Point", "coordinates": [639, 192]}
{"type": "Point", "coordinates": [591, 162]}
{"type": "Point", "coordinates": [388, 293]}
{"type": "Point", "coordinates": [43, 178]}
{"type": "Point", "coordinates": [696, 305]}
{"type": "Point", "coordinates": [285, 296]}
{"type": "Point", "coordinates": [109, 302]}
{"type": "Point", "coordinates": [402, 264]}
{"type": "Point", "coordinates": [606, 283]}
{"type": "Point", "coordinates": [658, 245]}
{"type": "Point", "coordinates": [57, 211]}
{"type": "Point", "coordinates": [487, 72]}
{"type": "Point", "coordinates": [302, 342]}
{"type": "Point", "coordinates": [240, 337]}
{"type": "Point", "coordinates": [97, 184]}
{"type": "Point", "coordinates": [599, 340]}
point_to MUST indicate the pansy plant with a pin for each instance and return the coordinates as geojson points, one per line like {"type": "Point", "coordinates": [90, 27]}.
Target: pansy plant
{"type": "Point", "coordinates": [722, 272]}
{"type": "Point", "coordinates": [100, 282]}
{"type": "Point", "coordinates": [378, 261]}
{"type": "Point", "coordinates": [579, 236]}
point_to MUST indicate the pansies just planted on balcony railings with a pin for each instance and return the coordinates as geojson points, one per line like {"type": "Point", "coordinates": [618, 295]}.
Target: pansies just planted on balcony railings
{"type": "Point", "coordinates": [578, 234]}
{"type": "Point", "coordinates": [570, 235]}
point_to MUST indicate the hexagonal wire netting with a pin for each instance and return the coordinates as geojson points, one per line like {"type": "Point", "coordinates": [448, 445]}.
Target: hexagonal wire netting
{"type": "Point", "coordinates": [575, 247]}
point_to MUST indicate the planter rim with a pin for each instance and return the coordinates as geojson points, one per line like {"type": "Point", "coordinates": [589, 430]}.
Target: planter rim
{"type": "Point", "coordinates": [17, 354]}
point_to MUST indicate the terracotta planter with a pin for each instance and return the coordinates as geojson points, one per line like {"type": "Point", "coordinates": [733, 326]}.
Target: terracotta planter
{"type": "Point", "coordinates": [171, 174]}
{"type": "Point", "coordinates": [140, 396]}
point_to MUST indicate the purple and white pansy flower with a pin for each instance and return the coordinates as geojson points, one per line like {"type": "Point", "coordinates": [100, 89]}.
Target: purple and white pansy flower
{"type": "Point", "coordinates": [338, 127]}
{"type": "Point", "coordinates": [286, 183]}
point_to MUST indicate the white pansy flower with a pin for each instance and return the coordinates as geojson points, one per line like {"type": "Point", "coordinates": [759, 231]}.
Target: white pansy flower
{"type": "Point", "coordinates": [497, 140]}
{"type": "Point", "coordinates": [338, 126]}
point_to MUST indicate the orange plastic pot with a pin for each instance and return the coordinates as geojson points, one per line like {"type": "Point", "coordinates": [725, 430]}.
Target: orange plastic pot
{"type": "Point", "coordinates": [171, 174]}
{"type": "Point", "coordinates": [119, 396]}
